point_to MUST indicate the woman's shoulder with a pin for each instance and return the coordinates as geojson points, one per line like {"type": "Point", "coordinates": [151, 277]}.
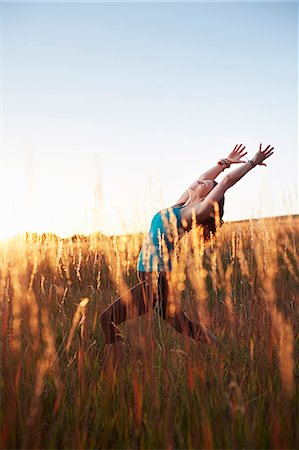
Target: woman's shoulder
{"type": "Point", "coordinates": [166, 214]}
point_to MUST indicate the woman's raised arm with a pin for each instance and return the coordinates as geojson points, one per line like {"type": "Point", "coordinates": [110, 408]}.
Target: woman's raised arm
{"type": "Point", "coordinates": [234, 157]}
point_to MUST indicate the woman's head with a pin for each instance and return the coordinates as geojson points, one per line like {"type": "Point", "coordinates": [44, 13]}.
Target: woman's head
{"type": "Point", "coordinates": [198, 191]}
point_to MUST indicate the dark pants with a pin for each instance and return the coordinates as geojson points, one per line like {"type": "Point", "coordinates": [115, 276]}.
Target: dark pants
{"type": "Point", "coordinates": [152, 292]}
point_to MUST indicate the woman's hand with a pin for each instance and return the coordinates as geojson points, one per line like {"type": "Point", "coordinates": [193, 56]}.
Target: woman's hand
{"type": "Point", "coordinates": [235, 156]}
{"type": "Point", "coordinates": [261, 155]}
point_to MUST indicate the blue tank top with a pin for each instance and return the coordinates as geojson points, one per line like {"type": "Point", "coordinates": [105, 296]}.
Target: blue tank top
{"type": "Point", "coordinates": [158, 246]}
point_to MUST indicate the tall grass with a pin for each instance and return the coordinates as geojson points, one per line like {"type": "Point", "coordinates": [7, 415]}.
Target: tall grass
{"type": "Point", "coordinates": [59, 389]}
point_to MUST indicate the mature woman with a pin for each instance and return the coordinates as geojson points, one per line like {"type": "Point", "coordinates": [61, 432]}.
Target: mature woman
{"type": "Point", "coordinates": [167, 227]}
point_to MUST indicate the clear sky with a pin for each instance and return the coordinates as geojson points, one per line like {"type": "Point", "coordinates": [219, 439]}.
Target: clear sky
{"type": "Point", "coordinates": [109, 111]}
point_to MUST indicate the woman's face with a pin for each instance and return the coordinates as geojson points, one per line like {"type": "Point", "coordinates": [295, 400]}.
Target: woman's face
{"type": "Point", "coordinates": [200, 189]}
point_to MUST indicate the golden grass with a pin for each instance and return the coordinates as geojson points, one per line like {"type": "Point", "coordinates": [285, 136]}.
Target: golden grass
{"type": "Point", "coordinates": [167, 391]}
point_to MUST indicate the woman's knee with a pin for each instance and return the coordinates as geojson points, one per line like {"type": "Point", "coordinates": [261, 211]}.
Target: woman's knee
{"type": "Point", "coordinates": [104, 318]}
{"type": "Point", "coordinates": [107, 316]}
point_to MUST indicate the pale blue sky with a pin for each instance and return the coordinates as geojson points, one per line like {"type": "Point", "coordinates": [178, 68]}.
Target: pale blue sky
{"type": "Point", "coordinates": [110, 111]}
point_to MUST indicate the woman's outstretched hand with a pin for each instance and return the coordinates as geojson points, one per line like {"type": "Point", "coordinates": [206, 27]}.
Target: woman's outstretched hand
{"type": "Point", "coordinates": [235, 157]}
{"type": "Point", "coordinates": [261, 155]}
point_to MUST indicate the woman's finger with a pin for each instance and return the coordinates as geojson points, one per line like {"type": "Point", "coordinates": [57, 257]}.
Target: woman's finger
{"type": "Point", "coordinates": [267, 152]}
{"type": "Point", "coordinates": [267, 156]}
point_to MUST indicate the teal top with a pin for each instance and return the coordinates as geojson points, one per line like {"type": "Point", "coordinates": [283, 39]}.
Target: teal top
{"type": "Point", "coordinates": [158, 247]}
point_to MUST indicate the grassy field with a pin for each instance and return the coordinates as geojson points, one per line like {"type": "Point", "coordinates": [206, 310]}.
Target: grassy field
{"type": "Point", "coordinates": [59, 389]}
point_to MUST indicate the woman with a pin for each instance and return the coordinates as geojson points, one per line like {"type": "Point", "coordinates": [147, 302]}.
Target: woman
{"type": "Point", "coordinates": [157, 253]}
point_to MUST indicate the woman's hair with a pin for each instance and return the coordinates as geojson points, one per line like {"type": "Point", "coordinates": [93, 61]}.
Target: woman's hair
{"type": "Point", "coordinates": [210, 225]}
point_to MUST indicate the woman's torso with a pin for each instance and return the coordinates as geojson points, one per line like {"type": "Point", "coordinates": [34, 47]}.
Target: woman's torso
{"type": "Point", "coordinates": [159, 245]}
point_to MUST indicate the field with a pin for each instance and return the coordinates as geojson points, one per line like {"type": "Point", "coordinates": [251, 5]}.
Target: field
{"type": "Point", "coordinates": [61, 387]}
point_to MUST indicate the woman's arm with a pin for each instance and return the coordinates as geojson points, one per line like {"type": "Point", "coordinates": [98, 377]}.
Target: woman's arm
{"type": "Point", "coordinates": [257, 160]}
{"type": "Point", "coordinates": [206, 207]}
{"type": "Point", "coordinates": [233, 158]}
